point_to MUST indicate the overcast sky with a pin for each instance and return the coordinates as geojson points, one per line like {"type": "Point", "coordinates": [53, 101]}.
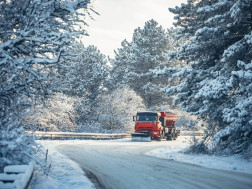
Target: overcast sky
{"type": "Point", "coordinates": [119, 18]}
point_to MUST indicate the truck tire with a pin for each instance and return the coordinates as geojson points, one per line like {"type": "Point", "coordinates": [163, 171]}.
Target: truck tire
{"type": "Point", "coordinates": [162, 136]}
{"type": "Point", "coordinates": [169, 137]}
{"type": "Point", "coordinates": [174, 135]}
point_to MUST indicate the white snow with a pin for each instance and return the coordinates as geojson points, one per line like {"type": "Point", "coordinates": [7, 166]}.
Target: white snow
{"type": "Point", "coordinates": [21, 183]}
{"type": "Point", "coordinates": [10, 177]}
{"type": "Point", "coordinates": [64, 173]}
{"type": "Point", "coordinates": [21, 179]}
{"type": "Point", "coordinates": [176, 152]}
{"type": "Point", "coordinates": [16, 168]}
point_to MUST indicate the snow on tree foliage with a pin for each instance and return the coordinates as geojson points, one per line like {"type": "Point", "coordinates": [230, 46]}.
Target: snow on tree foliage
{"type": "Point", "coordinates": [115, 110]}
{"type": "Point", "coordinates": [134, 60]}
{"type": "Point", "coordinates": [83, 71]}
{"type": "Point", "coordinates": [82, 75]}
{"type": "Point", "coordinates": [216, 84]}
{"type": "Point", "coordinates": [33, 37]}
{"type": "Point", "coordinates": [57, 115]}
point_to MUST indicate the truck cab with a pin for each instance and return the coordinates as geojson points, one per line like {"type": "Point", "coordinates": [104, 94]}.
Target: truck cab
{"type": "Point", "coordinates": [148, 122]}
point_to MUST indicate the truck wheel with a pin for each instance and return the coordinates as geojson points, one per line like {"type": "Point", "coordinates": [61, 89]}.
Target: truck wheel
{"type": "Point", "coordinates": [162, 135]}
{"type": "Point", "coordinates": [173, 135]}
{"type": "Point", "coordinates": [169, 138]}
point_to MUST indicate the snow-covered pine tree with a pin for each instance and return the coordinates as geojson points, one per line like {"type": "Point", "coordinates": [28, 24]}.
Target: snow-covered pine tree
{"type": "Point", "coordinates": [83, 71]}
{"type": "Point", "coordinates": [82, 75]}
{"type": "Point", "coordinates": [121, 65]}
{"type": "Point", "coordinates": [133, 62]}
{"type": "Point", "coordinates": [33, 37]}
{"type": "Point", "coordinates": [219, 48]}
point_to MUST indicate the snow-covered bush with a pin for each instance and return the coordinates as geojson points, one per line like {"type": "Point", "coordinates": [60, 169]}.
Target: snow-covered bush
{"type": "Point", "coordinates": [197, 146]}
{"type": "Point", "coordinates": [114, 111]}
{"type": "Point", "coordinates": [15, 146]}
{"type": "Point", "coordinates": [58, 114]}
{"type": "Point", "coordinates": [117, 109]}
{"type": "Point", "coordinates": [185, 122]}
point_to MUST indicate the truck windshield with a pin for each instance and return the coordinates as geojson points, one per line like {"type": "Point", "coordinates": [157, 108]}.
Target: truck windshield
{"type": "Point", "coordinates": [146, 117]}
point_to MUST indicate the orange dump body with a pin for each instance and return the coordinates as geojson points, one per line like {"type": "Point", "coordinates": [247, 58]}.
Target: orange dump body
{"type": "Point", "coordinates": [169, 119]}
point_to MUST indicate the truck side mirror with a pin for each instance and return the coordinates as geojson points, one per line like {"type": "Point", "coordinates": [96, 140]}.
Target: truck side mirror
{"type": "Point", "coordinates": [133, 118]}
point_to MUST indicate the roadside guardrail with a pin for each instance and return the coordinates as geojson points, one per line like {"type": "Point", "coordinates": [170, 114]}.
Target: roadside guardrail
{"type": "Point", "coordinates": [16, 176]}
{"type": "Point", "coordinates": [73, 135]}
{"type": "Point", "coordinates": [192, 133]}
{"type": "Point", "coordinates": [58, 135]}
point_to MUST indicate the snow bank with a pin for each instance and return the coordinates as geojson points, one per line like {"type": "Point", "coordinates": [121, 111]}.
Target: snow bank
{"type": "Point", "coordinates": [176, 152]}
{"type": "Point", "coordinates": [18, 176]}
{"type": "Point", "coordinates": [64, 173]}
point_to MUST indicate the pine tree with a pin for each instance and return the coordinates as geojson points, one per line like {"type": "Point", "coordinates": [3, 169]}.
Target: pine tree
{"type": "Point", "coordinates": [82, 75]}
{"type": "Point", "coordinates": [134, 61]}
{"type": "Point", "coordinates": [83, 71]}
{"type": "Point", "coordinates": [220, 39]}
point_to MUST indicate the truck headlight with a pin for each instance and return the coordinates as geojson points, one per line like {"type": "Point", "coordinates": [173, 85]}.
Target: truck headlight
{"type": "Point", "coordinates": [155, 133]}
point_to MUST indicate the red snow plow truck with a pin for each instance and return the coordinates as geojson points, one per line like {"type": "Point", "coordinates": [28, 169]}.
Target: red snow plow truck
{"type": "Point", "coordinates": [155, 125]}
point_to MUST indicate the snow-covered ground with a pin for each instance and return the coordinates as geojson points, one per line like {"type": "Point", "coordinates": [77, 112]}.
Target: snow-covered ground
{"type": "Point", "coordinates": [65, 173]}
{"type": "Point", "coordinates": [175, 152]}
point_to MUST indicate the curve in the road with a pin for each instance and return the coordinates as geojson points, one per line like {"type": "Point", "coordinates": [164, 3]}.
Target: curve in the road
{"type": "Point", "coordinates": [123, 165]}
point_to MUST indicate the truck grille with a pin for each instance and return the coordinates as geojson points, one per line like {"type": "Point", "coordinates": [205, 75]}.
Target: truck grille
{"type": "Point", "coordinates": [145, 128]}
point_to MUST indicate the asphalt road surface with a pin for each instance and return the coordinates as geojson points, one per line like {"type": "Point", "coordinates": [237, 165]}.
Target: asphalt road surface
{"type": "Point", "coordinates": [119, 165]}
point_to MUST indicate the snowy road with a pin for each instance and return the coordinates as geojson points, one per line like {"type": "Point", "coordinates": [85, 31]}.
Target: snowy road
{"type": "Point", "coordinates": [122, 164]}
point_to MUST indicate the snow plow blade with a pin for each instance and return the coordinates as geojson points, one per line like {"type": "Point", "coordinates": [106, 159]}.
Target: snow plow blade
{"type": "Point", "coordinates": [141, 137]}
